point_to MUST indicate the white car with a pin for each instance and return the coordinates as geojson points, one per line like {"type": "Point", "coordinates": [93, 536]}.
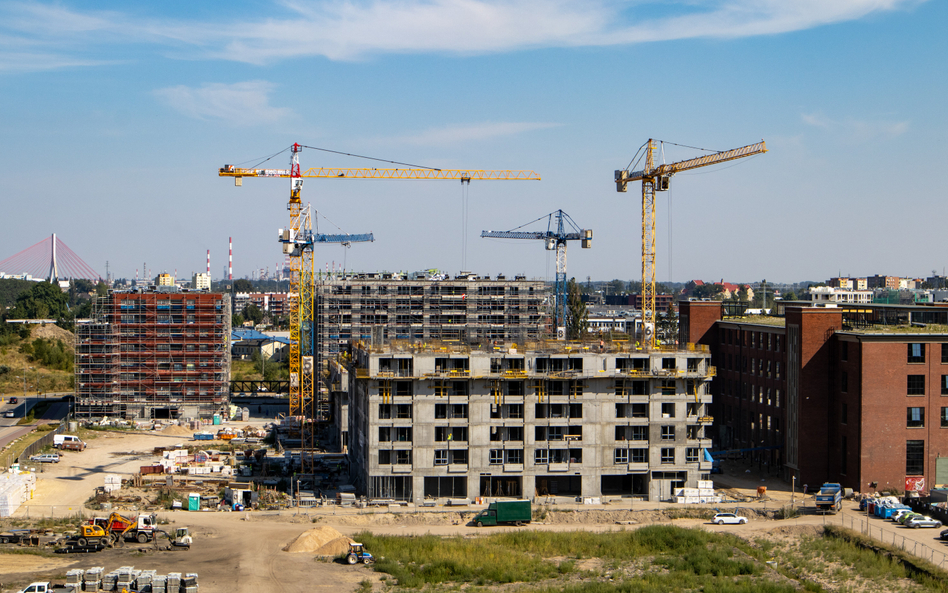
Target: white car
{"type": "Point", "coordinates": [728, 519]}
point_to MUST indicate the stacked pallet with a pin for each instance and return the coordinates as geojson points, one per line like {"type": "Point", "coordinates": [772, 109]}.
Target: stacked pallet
{"type": "Point", "coordinates": [92, 579]}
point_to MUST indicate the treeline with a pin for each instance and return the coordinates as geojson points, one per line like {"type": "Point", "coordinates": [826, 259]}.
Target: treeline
{"type": "Point", "coordinates": [11, 288]}
{"type": "Point", "coordinates": [42, 300]}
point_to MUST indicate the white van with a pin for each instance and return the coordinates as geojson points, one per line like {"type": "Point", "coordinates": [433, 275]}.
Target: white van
{"type": "Point", "coordinates": [73, 441]}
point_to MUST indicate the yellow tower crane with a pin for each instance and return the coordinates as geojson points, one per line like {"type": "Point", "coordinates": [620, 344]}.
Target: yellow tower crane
{"type": "Point", "coordinates": [298, 241]}
{"type": "Point", "coordinates": [656, 178]}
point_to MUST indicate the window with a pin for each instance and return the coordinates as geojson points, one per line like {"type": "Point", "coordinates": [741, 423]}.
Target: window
{"type": "Point", "coordinates": [915, 458]}
{"type": "Point", "coordinates": [916, 384]}
{"type": "Point", "coordinates": [441, 457]}
{"type": "Point", "coordinates": [385, 457]}
{"type": "Point", "coordinates": [496, 456]}
{"type": "Point", "coordinates": [621, 456]}
{"type": "Point", "coordinates": [691, 455]}
{"type": "Point", "coordinates": [916, 352]}
{"type": "Point", "coordinates": [844, 414]}
{"type": "Point", "coordinates": [540, 457]}
{"type": "Point", "coordinates": [668, 410]}
{"type": "Point", "coordinates": [450, 433]}
{"type": "Point", "coordinates": [443, 411]}
{"type": "Point", "coordinates": [513, 456]}
{"type": "Point", "coordinates": [385, 434]}
{"type": "Point", "coordinates": [844, 381]}
{"type": "Point", "coordinates": [944, 417]}
{"type": "Point", "coordinates": [403, 434]}
{"type": "Point", "coordinates": [668, 433]}
{"type": "Point", "coordinates": [385, 411]}
{"type": "Point", "coordinates": [668, 455]}
{"type": "Point", "coordinates": [916, 418]}
{"type": "Point", "coordinates": [638, 433]}
{"type": "Point", "coordinates": [944, 353]}
{"type": "Point", "coordinates": [944, 384]}
{"type": "Point", "coordinates": [844, 351]}
{"type": "Point", "coordinates": [668, 364]}
{"type": "Point", "coordinates": [639, 455]}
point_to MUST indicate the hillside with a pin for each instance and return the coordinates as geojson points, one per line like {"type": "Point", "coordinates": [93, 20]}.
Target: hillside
{"type": "Point", "coordinates": [50, 369]}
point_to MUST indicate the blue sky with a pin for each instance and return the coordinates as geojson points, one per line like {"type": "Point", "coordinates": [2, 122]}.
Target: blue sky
{"type": "Point", "coordinates": [115, 120]}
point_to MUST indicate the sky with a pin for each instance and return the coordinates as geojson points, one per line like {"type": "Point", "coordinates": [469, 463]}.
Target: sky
{"type": "Point", "coordinates": [114, 121]}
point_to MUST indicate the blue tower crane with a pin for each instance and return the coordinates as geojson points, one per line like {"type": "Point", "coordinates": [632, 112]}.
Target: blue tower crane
{"type": "Point", "coordinates": [555, 237]}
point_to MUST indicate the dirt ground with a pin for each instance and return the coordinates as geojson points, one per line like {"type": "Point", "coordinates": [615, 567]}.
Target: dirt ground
{"type": "Point", "coordinates": [243, 551]}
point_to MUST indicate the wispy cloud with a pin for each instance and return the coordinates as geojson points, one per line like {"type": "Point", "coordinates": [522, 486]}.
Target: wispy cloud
{"type": "Point", "coordinates": [458, 134]}
{"type": "Point", "coordinates": [357, 29]}
{"type": "Point", "coordinates": [242, 101]}
{"type": "Point", "coordinates": [856, 130]}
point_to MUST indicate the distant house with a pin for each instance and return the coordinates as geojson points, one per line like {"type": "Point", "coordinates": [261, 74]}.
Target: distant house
{"type": "Point", "coordinates": [246, 343]}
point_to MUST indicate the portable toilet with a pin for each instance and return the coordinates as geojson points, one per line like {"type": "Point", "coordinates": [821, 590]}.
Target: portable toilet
{"type": "Point", "coordinates": [217, 419]}
{"type": "Point", "coordinates": [194, 501]}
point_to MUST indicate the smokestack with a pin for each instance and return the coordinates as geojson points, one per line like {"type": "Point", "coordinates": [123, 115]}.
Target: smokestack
{"type": "Point", "coordinates": [208, 263]}
{"type": "Point", "coordinates": [230, 258]}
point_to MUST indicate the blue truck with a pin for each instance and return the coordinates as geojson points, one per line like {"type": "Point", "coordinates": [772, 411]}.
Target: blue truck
{"type": "Point", "coordinates": [830, 498]}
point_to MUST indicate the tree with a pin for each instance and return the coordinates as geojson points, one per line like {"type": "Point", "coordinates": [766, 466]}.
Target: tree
{"type": "Point", "coordinates": [253, 313]}
{"type": "Point", "coordinates": [577, 318]}
{"type": "Point", "coordinates": [43, 301]}
{"type": "Point", "coordinates": [236, 320]}
{"type": "Point", "coordinates": [243, 285]}
{"type": "Point", "coordinates": [789, 296]}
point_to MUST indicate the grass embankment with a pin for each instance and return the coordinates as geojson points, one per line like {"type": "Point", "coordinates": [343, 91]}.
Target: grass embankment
{"type": "Point", "coordinates": [650, 559]}
{"type": "Point", "coordinates": [653, 558]}
{"type": "Point", "coordinates": [43, 370]}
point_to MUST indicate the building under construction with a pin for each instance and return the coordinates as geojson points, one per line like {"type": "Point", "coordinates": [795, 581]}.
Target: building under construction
{"type": "Point", "coordinates": [147, 355]}
{"type": "Point", "coordinates": [425, 308]}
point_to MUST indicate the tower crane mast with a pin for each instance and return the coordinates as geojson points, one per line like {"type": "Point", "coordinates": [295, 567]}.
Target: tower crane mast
{"type": "Point", "coordinates": [555, 237]}
{"type": "Point", "coordinates": [298, 240]}
{"type": "Point", "coordinates": [655, 179]}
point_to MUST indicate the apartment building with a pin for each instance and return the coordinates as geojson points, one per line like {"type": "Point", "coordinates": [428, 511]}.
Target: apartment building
{"type": "Point", "coordinates": [850, 393]}
{"type": "Point", "coordinates": [150, 355]}
{"type": "Point", "coordinates": [438, 421]}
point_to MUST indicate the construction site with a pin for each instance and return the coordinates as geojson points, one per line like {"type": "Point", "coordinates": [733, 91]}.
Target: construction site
{"type": "Point", "coordinates": [342, 329]}
{"type": "Point", "coordinates": [154, 355]}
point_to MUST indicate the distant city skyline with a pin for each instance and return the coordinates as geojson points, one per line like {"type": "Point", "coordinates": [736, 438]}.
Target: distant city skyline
{"type": "Point", "coordinates": [116, 120]}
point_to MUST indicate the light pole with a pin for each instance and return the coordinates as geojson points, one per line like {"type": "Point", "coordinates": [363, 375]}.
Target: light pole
{"type": "Point", "coordinates": [793, 490]}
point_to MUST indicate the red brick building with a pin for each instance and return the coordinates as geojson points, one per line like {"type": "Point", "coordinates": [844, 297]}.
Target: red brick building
{"type": "Point", "coordinates": [847, 394]}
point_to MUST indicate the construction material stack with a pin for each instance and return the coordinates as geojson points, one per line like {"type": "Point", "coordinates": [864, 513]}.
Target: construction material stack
{"type": "Point", "coordinates": [15, 489]}
{"type": "Point", "coordinates": [92, 579]}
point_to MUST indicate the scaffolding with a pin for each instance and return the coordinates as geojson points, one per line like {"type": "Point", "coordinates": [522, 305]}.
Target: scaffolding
{"type": "Point", "coordinates": [154, 355]}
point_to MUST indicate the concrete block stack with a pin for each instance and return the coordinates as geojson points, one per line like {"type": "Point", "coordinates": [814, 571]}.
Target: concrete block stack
{"type": "Point", "coordinates": [189, 584]}
{"type": "Point", "coordinates": [110, 580]}
{"type": "Point", "coordinates": [158, 584]}
{"type": "Point", "coordinates": [144, 581]}
{"type": "Point", "coordinates": [92, 579]}
{"type": "Point", "coordinates": [113, 482]}
{"type": "Point", "coordinates": [74, 579]}
{"type": "Point", "coordinates": [127, 576]}
{"type": "Point", "coordinates": [173, 584]}
{"type": "Point", "coordinates": [15, 489]}
{"type": "Point", "coordinates": [703, 494]}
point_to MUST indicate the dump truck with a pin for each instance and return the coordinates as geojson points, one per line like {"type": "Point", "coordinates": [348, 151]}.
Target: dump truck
{"type": "Point", "coordinates": [509, 512]}
{"type": "Point", "coordinates": [830, 498]}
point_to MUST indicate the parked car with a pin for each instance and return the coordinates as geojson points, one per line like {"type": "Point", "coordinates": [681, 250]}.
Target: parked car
{"type": "Point", "coordinates": [729, 519]}
{"type": "Point", "coordinates": [13, 400]}
{"type": "Point", "coordinates": [908, 516]}
{"type": "Point", "coordinates": [9, 414]}
{"type": "Point", "coordinates": [45, 458]}
{"type": "Point", "coordinates": [916, 522]}
{"type": "Point", "coordinates": [898, 514]}
{"type": "Point", "coordinates": [943, 534]}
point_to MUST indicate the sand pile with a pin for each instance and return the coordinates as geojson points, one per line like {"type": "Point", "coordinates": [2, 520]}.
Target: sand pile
{"type": "Point", "coordinates": [322, 541]}
{"type": "Point", "coordinates": [178, 431]}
